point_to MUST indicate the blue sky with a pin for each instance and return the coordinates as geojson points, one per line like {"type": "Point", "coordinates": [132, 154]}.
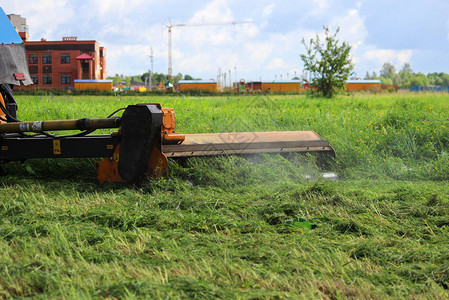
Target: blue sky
{"type": "Point", "coordinates": [415, 32]}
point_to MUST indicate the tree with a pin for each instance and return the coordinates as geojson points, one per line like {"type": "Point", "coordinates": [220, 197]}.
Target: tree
{"type": "Point", "coordinates": [439, 79]}
{"type": "Point", "coordinates": [406, 75]}
{"type": "Point", "coordinates": [116, 79]}
{"type": "Point", "coordinates": [145, 76]}
{"type": "Point", "coordinates": [407, 68]}
{"type": "Point", "coordinates": [329, 62]}
{"type": "Point", "coordinates": [388, 74]}
{"type": "Point", "coordinates": [367, 76]}
{"type": "Point", "coordinates": [387, 71]}
{"type": "Point", "coordinates": [419, 79]}
{"type": "Point", "coordinates": [176, 78]}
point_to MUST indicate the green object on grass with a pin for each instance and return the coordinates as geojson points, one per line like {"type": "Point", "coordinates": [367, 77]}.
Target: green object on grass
{"type": "Point", "coordinates": [300, 222]}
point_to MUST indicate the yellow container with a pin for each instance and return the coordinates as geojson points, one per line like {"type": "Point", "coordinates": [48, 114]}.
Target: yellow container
{"type": "Point", "coordinates": [101, 85]}
{"type": "Point", "coordinates": [197, 85]}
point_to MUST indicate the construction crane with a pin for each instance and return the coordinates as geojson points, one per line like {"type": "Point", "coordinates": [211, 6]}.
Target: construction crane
{"type": "Point", "coordinates": [170, 26]}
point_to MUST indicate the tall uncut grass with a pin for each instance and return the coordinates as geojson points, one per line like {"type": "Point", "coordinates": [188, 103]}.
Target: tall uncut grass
{"type": "Point", "coordinates": [256, 227]}
{"type": "Point", "coordinates": [398, 136]}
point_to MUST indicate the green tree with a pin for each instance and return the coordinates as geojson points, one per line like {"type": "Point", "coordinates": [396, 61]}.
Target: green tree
{"type": "Point", "coordinates": [419, 79]}
{"type": "Point", "coordinates": [328, 61]}
{"type": "Point", "coordinates": [407, 68]}
{"type": "Point", "coordinates": [159, 78]}
{"type": "Point", "coordinates": [388, 74]}
{"type": "Point", "coordinates": [387, 71]}
{"type": "Point", "coordinates": [367, 76]}
{"type": "Point", "coordinates": [439, 79]}
{"type": "Point", "coordinates": [386, 81]}
{"type": "Point", "coordinates": [444, 79]}
{"type": "Point", "coordinates": [144, 76]}
{"type": "Point", "coordinates": [176, 78]}
{"type": "Point", "coordinates": [115, 79]}
{"type": "Point", "coordinates": [406, 75]}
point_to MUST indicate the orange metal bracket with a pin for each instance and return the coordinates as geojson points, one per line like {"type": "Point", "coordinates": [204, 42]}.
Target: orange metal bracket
{"type": "Point", "coordinates": [157, 164]}
{"type": "Point", "coordinates": [2, 114]}
{"type": "Point", "coordinates": [107, 169]}
{"type": "Point", "coordinates": [168, 134]}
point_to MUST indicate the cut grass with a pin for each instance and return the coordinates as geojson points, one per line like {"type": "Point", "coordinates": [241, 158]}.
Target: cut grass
{"type": "Point", "coordinates": [218, 227]}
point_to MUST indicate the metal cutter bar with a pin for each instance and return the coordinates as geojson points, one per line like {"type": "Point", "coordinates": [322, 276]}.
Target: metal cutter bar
{"type": "Point", "coordinates": [209, 144]}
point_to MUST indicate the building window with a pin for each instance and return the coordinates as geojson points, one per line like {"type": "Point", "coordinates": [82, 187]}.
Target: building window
{"type": "Point", "coordinates": [46, 69]}
{"type": "Point", "coordinates": [65, 79]}
{"type": "Point", "coordinates": [32, 59]}
{"type": "Point", "coordinates": [33, 69]}
{"type": "Point", "coordinates": [35, 79]}
{"type": "Point", "coordinates": [46, 59]}
{"type": "Point", "coordinates": [46, 79]}
{"type": "Point", "coordinates": [65, 58]}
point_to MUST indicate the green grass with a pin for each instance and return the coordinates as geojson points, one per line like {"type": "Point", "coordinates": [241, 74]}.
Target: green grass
{"type": "Point", "coordinates": [225, 227]}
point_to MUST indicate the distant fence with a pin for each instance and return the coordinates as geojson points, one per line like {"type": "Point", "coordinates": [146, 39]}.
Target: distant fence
{"type": "Point", "coordinates": [390, 87]}
{"type": "Point", "coordinates": [429, 89]}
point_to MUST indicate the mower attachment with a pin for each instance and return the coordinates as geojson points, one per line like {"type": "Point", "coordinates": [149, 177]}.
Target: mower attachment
{"type": "Point", "coordinates": [145, 139]}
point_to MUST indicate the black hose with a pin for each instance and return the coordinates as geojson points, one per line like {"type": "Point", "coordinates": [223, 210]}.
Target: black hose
{"type": "Point", "coordinates": [116, 112]}
{"type": "Point", "coordinates": [84, 133]}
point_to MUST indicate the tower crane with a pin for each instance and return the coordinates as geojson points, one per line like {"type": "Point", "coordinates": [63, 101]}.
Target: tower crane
{"type": "Point", "coordinates": [170, 26]}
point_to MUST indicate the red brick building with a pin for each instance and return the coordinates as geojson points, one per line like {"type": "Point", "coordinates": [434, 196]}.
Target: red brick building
{"type": "Point", "coordinates": [56, 64]}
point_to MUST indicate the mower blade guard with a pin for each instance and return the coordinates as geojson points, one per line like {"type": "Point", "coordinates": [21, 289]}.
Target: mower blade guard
{"type": "Point", "coordinates": [140, 132]}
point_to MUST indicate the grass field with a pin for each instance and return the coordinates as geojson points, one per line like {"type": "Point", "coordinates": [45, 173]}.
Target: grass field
{"type": "Point", "coordinates": [240, 227]}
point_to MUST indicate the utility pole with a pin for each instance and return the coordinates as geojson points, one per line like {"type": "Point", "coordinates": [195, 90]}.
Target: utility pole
{"type": "Point", "coordinates": [170, 26]}
{"type": "Point", "coordinates": [150, 72]}
{"type": "Point", "coordinates": [235, 76]}
{"type": "Point", "coordinates": [219, 79]}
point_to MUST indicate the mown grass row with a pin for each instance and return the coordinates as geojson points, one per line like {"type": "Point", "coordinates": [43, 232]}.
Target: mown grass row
{"type": "Point", "coordinates": [170, 238]}
{"type": "Point", "coordinates": [232, 227]}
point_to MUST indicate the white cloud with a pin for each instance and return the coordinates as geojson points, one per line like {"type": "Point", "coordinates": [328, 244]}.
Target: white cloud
{"type": "Point", "coordinates": [260, 51]}
{"type": "Point", "coordinates": [214, 12]}
{"type": "Point", "coordinates": [276, 64]}
{"type": "Point", "coordinates": [404, 56]}
{"type": "Point", "coordinates": [268, 10]}
{"type": "Point", "coordinates": [110, 10]}
{"type": "Point", "coordinates": [45, 15]}
{"type": "Point", "coordinates": [352, 28]}
{"type": "Point", "coordinates": [397, 57]}
{"type": "Point", "coordinates": [318, 7]}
